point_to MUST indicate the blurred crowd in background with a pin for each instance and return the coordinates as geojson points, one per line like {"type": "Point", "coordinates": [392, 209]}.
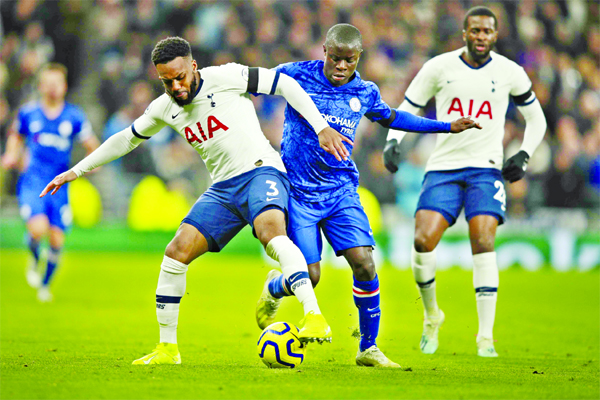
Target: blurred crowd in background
{"type": "Point", "coordinates": [106, 45]}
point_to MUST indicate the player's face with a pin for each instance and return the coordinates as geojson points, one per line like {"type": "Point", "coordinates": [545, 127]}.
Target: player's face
{"type": "Point", "coordinates": [53, 85]}
{"type": "Point", "coordinates": [340, 63]}
{"type": "Point", "coordinates": [481, 36]}
{"type": "Point", "coordinates": [180, 79]}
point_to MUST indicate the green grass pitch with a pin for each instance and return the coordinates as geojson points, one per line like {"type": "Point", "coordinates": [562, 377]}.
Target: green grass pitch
{"type": "Point", "coordinates": [103, 317]}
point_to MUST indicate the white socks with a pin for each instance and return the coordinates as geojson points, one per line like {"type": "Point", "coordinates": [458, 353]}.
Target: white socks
{"type": "Point", "coordinates": [170, 290]}
{"type": "Point", "coordinates": [295, 270]}
{"type": "Point", "coordinates": [485, 282]}
{"type": "Point", "coordinates": [423, 267]}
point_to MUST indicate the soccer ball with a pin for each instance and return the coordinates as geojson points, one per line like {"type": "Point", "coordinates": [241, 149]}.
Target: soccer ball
{"type": "Point", "coordinates": [279, 347]}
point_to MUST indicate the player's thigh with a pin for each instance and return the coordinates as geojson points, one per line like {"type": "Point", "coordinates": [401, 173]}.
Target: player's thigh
{"type": "Point", "coordinates": [266, 205]}
{"type": "Point", "coordinates": [346, 225]}
{"type": "Point", "coordinates": [216, 220]}
{"type": "Point", "coordinates": [442, 192]}
{"type": "Point", "coordinates": [429, 228]}
{"type": "Point", "coordinates": [30, 203]}
{"type": "Point", "coordinates": [485, 194]}
{"type": "Point", "coordinates": [303, 229]}
{"type": "Point", "coordinates": [58, 210]}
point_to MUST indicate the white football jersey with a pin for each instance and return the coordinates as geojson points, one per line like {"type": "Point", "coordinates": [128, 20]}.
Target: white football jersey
{"type": "Point", "coordinates": [460, 91]}
{"type": "Point", "coordinates": [220, 123]}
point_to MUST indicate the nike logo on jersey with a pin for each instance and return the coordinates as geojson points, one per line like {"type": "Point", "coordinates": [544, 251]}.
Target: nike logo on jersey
{"type": "Point", "coordinates": [272, 198]}
{"type": "Point", "coordinates": [173, 116]}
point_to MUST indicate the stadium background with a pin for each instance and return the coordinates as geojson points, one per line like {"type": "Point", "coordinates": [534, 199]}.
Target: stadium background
{"type": "Point", "coordinates": [81, 346]}
{"type": "Point", "coordinates": [106, 45]}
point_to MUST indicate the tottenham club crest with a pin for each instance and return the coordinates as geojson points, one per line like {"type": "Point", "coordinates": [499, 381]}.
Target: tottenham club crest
{"type": "Point", "coordinates": [355, 104]}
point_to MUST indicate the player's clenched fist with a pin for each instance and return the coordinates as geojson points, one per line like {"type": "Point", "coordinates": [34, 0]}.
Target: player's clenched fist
{"type": "Point", "coordinates": [463, 124]}
{"type": "Point", "coordinates": [58, 181]}
{"type": "Point", "coordinates": [331, 141]}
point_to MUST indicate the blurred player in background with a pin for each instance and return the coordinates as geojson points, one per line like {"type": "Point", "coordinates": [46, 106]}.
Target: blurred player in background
{"type": "Point", "coordinates": [324, 196]}
{"type": "Point", "coordinates": [212, 110]}
{"type": "Point", "coordinates": [464, 171]}
{"type": "Point", "coordinates": [47, 129]}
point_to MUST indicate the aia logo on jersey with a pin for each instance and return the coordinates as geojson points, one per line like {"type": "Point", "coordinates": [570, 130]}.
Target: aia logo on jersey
{"type": "Point", "coordinates": [484, 109]}
{"type": "Point", "coordinates": [213, 125]}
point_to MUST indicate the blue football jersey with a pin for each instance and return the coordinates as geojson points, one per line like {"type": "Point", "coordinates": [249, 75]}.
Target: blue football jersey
{"type": "Point", "coordinates": [50, 141]}
{"type": "Point", "coordinates": [316, 175]}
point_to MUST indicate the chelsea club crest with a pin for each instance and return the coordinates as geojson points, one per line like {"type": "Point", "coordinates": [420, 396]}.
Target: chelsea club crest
{"type": "Point", "coordinates": [355, 104]}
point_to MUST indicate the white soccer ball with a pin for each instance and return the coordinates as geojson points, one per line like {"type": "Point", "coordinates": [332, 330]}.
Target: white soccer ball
{"type": "Point", "coordinates": [279, 347]}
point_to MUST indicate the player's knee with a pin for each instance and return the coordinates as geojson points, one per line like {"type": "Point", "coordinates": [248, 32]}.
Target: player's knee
{"type": "Point", "coordinates": [424, 242]}
{"type": "Point", "coordinates": [314, 272]}
{"type": "Point", "coordinates": [363, 267]}
{"type": "Point", "coordinates": [180, 250]}
{"type": "Point", "coordinates": [269, 225]}
{"type": "Point", "coordinates": [315, 277]}
{"type": "Point", "coordinates": [482, 244]}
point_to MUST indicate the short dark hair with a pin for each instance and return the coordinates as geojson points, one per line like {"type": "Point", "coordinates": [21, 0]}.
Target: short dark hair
{"type": "Point", "coordinates": [54, 66]}
{"type": "Point", "coordinates": [480, 10]}
{"type": "Point", "coordinates": [169, 49]}
{"type": "Point", "coordinates": [344, 34]}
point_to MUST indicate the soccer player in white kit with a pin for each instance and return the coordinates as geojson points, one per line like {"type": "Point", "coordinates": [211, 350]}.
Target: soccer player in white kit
{"type": "Point", "coordinates": [212, 109]}
{"type": "Point", "coordinates": [464, 170]}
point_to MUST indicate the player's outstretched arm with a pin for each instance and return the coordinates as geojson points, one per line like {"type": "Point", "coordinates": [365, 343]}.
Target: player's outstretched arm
{"type": "Point", "coordinates": [114, 147]}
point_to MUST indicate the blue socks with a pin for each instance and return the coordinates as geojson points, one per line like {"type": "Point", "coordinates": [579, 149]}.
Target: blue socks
{"type": "Point", "coordinates": [53, 254]}
{"type": "Point", "coordinates": [279, 287]}
{"type": "Point", "coordinates": [34, 247]}
{"type": "Point", "coordinates": [366, 298]}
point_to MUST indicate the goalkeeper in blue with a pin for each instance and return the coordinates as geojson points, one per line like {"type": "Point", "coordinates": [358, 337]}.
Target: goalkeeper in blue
{"type": "Point", "coordinates": [323, 196]}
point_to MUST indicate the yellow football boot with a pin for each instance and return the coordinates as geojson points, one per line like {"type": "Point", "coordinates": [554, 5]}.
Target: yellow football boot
{"type": "Point", "coordinates": [314, 329]}
{"type": "Point", "coordinates": [164, 353]}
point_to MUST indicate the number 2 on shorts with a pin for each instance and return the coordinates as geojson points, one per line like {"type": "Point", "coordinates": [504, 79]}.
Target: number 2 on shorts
{"type": "Point", "coordinates": [500, 194]}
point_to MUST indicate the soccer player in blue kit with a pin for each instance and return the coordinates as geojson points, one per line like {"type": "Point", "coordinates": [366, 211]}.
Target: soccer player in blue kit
{"type": "Point", "coordinates": [47, 128]}
{"type": "Point", "coordinates": [323, 195]}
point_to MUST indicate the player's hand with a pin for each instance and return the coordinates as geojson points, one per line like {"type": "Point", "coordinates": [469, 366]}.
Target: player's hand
{"type": "Point", "coordinates": [463, 124]}
{"type": "Point", "coordinates": [331, 141]}
{"type": "Point", "coordinates": [391, 155]}
{"type": "Point", "coordinates": [58, 181]}
{"type": "Point", "coordinates": [10, 161]}
{"type": "Point", "coordinates": [515, 167]}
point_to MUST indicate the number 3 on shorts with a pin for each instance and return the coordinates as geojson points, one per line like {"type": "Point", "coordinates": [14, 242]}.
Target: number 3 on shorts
{"type": "Point", "coordinates": [500, 194]}
{"type": "Point", "coordinates": [274, 191]}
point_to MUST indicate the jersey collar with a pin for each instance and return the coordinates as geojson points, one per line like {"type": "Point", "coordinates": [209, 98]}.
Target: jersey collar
{"type": "Point", "coordinates": [470, 66]}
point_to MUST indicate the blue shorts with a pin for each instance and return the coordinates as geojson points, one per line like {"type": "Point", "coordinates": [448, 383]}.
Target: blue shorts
{"type": "Point", "coordinates": [55, 207]}
{"type": "Point", "coordinates": [342, 219]}
{"type": "Point", "coordinates": [479, 190]}
{"type": "Point", "coordinates": [227, 206]}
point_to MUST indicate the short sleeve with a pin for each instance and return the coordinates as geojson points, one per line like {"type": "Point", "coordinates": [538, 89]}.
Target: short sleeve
{"type": "Point", "coordinates": [378, 110]}
{"type": "Point", "coordinates": [424, 86]}
{"type": "Point", "coordinates": [520, 82]}
{"type": "Point", "coordinates": [151, 122]}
